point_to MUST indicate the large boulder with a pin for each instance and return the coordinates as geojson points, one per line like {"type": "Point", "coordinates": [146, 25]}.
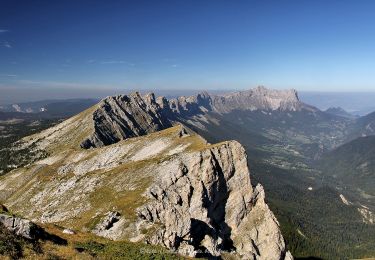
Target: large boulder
{"type": "Point", "coordinates": [21, 227]}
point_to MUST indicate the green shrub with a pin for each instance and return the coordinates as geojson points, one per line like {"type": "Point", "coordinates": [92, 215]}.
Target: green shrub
{"type": "Point", "coordinates": [10, 244]}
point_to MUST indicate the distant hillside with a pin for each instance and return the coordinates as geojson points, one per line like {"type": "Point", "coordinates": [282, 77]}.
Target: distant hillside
{"type": "Point", "coordinates": [353, 164]}
{"type": "Point", "coordinates": [367, 123]}
{"type": "Point", "coordinates": [338, 111]}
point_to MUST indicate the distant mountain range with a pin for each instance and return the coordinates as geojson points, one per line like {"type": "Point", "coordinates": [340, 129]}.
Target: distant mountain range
{"type": "Point", "coordinates": [356, 103]}
{"type": "Point", "coordinates": [115, 118]}
{"type": "Point", "coordinates": [46, 108]}
{"type": "Point", "coordinates": [353, 165]}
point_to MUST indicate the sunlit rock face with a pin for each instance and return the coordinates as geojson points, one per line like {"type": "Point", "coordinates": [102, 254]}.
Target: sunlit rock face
{"type": "Point", "coordinates": [259, 98]}
{"type": "Point", "coordinates": [121, 117]}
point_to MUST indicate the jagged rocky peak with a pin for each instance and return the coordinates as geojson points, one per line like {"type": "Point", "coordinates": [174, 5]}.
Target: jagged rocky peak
{"type": "Point", "coordinates": [192, 105]}
{"type": "Point", "coordinates": [123, 116]}
{"type": "Point", "coordinates": [286, 95]}
{"type": "Point", "coordinates": [217, 211]}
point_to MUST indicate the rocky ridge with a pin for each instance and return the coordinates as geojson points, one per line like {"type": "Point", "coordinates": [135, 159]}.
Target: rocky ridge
{"type": "Point", "coordinates": [121, 117]}
{"type": "Point", "coordinates": [166, 187]}
{"type": "Point", "coordinates": [216, 211]}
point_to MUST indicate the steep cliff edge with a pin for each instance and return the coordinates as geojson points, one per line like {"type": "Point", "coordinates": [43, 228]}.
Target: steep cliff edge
{"type": "Point", "coordinates": [122, 117]}
{"type": "Point", "coordinates": [205, 203]}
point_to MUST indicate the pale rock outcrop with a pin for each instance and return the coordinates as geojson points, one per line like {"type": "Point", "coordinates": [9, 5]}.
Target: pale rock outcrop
{"type": "Point", "coordinates": [68, 231]}
{"type": "Point", "coordinates": [259, 98]}
{"type": "Point", "coordinates": [111, 226]}
{"type": "Point", "coordinates": [21, 227]}
{"type": "Point", "coordinates": [208, 206]}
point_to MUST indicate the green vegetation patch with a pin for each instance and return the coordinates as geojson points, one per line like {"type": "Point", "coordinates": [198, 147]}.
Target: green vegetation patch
{"type": "Point", "coordinates": [124, 250]}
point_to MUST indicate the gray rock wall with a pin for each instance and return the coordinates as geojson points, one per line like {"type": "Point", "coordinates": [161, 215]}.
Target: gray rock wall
{"type": "Point", "coordinates": [209, 207]}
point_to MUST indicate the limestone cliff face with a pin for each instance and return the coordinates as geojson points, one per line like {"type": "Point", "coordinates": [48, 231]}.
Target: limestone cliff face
{"type": "Point", "coordinates": [259, 98]}
{"type": "Point", "coordinates": [190, 106]}
{"type": "Point", "coordinates": [122, 116]}
{"type": "Point", "coordinates": [205, 205]}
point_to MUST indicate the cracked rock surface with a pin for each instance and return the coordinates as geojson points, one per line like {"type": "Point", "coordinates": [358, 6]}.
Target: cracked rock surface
{"type": "Point", "coordinates": [206, 203]}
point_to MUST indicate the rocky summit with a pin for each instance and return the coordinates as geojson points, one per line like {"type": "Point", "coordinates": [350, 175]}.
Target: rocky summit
{"type": "Point", "coordinates": [259, 98]}
{"type": "Point", "coordinates": [144, 180]}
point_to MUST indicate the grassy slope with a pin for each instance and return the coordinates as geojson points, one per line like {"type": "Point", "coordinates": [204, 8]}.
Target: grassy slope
{"type": "Point", "coordinates": [135, 174]}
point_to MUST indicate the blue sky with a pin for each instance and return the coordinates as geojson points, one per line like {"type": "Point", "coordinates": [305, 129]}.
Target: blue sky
{"type": "Point", "coordinates": [308, 45]}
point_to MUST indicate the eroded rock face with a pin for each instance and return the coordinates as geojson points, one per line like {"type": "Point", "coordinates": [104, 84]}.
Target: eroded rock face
{"type": "Point", "coordinates": [208, 206]}
{"type": "Point", "coordinates": [122, 116]}
{"type": "Point", "coordinates": [110, 226]}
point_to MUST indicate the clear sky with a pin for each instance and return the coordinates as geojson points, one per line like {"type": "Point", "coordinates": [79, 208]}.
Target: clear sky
{"type": "Point", "coordinates": [307, 45]}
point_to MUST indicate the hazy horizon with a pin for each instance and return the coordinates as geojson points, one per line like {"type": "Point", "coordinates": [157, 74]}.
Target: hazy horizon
{"type": "Point", "coordinates": [355, 102]}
